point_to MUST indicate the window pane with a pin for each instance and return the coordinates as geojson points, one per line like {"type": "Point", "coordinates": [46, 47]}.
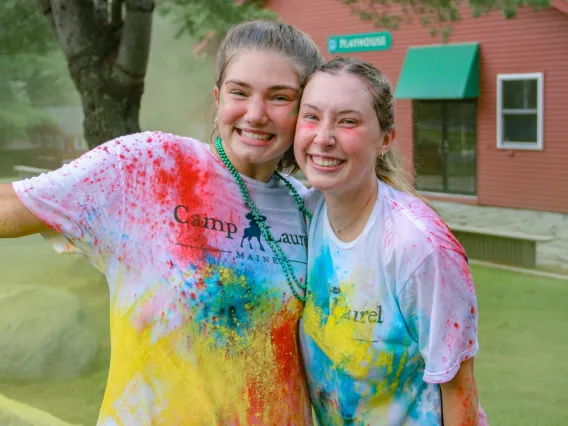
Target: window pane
{"type": "Point", "coordinates": [461, 135]}
{"type": "Point", "coordinates": [531, 93]}
{"type": "Point", "coordinates": [519, 94]}
{"type": "Point", "coordinates": [428, 155]}
{"type": "Point", "coordinates": [520, 128]}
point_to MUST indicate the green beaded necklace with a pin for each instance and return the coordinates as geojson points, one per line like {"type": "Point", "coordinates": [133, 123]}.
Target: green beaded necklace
{"type": "Point", "coordinates": [250, 204]}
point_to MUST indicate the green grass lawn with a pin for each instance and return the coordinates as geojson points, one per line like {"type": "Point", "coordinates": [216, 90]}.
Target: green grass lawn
{"type": "Point", "coordinates": [520, 369]}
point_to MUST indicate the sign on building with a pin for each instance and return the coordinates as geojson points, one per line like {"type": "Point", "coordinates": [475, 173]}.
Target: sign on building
{"type": "Point", "coordinates": [359, 42]}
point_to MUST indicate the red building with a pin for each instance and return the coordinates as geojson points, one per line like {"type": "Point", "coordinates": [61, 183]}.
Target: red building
{"type": "Point", "coordinates": [481, 119]}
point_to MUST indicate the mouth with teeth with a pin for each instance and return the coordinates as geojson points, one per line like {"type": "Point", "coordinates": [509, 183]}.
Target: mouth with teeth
{"type": "Point", "coordinates": [330, 164]}
{"type": "Point", "coordinates": [255, 136]}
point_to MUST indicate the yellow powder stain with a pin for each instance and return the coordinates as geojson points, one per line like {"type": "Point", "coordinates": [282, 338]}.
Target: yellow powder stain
{"type": "Point", "coordinates": [349, 345]}
{"type": "Point", "coordinates": [192, 380]}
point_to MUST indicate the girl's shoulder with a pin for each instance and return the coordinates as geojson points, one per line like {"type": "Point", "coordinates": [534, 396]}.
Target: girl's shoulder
{"type": "Point", "coordinates": [155, 143]}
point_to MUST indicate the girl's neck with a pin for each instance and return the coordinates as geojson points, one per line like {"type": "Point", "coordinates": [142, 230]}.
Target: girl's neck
{"type": "Point", "coordinates": [260, 172]}
{"type": "Point", "coordinates": [349, 211]}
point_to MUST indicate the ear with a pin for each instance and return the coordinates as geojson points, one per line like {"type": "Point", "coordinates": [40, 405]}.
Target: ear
{"type": "Point", "coordinates": [386, 143]}
{"type": "Point", "coordinates": [216, 94]}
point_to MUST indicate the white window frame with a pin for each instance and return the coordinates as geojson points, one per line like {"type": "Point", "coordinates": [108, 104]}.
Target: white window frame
{"type": "Point", "coordinates": [538, 145]}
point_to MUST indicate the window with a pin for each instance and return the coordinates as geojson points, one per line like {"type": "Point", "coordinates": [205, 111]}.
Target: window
{"type": "Point", "coordinates": [59, 143]}
{"type": "Point", "coordinates": [519, 111]}
{"type": "Point", "coordinates": [445, 142]}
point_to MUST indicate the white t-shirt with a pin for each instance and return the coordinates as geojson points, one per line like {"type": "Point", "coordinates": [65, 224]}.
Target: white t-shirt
{"type": "Point", "coordinates": [203, 323]}
{"type": "Point", "coordinates": [388, 316]}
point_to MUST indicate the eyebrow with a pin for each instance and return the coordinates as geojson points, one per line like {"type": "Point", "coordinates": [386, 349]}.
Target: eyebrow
{"type": "Point", "coordinates": [276, 87]}
{"type": "Point", "coordinates": [342, 112]}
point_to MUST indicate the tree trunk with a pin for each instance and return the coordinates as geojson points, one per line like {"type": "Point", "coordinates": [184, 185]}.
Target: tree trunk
{"type": "Point", "coordinates": [109, 111]}
{"type": "Point", "coordinates": [107, 51]}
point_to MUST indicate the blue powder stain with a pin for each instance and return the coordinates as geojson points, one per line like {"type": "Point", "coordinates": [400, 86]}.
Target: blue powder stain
{"type": "Point", "coordinates": [229, 308]}
{"type": "Point", "coordinates": [318, 279]}
{"type": "Point", "coordinates": [331, 386]}
{"type": "Point", "coordinates": [335, 393]}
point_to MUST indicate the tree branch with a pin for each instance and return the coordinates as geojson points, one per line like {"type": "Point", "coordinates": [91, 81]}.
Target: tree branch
{"type": "Point", "coordinates": [78, 27]}
{"type": "Point", "coordinates": [116, 13]}
{"type": "Point", "coordinates": [131, 63]}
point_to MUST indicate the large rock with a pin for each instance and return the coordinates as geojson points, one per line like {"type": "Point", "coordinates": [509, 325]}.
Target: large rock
{"type": "Point", "coordinates": [14, 413]}
{"type": "Point", "coordinates": [44, 334]}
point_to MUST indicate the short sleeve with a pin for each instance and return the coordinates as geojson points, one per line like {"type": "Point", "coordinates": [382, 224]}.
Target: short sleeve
{"type": "Point", "coordinates": [81, 201]}
{"type": "Point", "coordinates": [439, 305]}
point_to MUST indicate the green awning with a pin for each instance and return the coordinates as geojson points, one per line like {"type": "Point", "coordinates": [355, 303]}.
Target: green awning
{"type": "Point", "coordinates": [448, 71]}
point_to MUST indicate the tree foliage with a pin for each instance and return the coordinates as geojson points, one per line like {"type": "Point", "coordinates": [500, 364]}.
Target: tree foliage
{"type": "Point", "coordinates": [33, 70]}
{"type": "Point", "coordinates": [438, 15]}
{"type": "Point", "coordinates": [199, 18]}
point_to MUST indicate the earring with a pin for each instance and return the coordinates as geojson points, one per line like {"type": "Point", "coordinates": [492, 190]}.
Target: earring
{"type": "Point", "coordinates": [381, 156]}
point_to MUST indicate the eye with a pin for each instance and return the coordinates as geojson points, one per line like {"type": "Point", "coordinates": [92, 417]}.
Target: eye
{"type": "Point", "coordinates": [281, 98]}
{"type": "Point", "coordinates": [349, 121]}
{"type": "Point", "coordinates": [310, 117]}
{"type": "Point", "coordinates": [237, 92]}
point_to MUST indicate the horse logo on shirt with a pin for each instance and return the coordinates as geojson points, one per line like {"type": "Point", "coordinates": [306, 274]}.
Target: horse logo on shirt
{"type": "Point", "coordinates": [253, 230]}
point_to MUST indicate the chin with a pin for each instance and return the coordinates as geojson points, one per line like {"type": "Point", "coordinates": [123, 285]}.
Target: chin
{"type": "Point", "coordinates": [256, 154]}
{"type": "Point", "coordinates": [322, 183]}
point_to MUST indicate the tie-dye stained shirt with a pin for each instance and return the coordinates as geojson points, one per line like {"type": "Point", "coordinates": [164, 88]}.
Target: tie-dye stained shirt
{"type": "Point", "coordinates": [388, 317]}
{"type": "Point", "coordinates": [203, 324]}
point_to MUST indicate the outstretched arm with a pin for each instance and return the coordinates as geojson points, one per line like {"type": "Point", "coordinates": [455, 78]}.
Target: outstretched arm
{"type": "Point", "coordinates": [15, 219]}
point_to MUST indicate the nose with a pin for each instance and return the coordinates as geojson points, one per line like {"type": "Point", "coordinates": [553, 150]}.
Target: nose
{"type": "Point", "coordinates": [256, 112]}
{"type": "Point", "coordinates": [325, 136]}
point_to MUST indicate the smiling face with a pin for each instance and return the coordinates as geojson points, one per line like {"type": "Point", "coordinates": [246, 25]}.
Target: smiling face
{"type": "Point", "coordinates": [338, 136]}
{"type": "Point", "coordinates": [257, 107]}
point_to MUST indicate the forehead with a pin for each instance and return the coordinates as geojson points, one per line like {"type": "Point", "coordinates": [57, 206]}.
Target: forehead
{"type": "Point", "coordinates": [337, 91]}
{"type": "Point", "coordinates": [262, 69]}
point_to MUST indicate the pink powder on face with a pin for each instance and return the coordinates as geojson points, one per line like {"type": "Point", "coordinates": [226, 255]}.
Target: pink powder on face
{"type": "Point", "coordinates": [306, 126]}
{"type": "Point", "coordinates": [354, 133]}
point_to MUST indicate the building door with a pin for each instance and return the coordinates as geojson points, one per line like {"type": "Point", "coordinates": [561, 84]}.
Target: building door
{"type": "Point", "coordinates": [445, 146]}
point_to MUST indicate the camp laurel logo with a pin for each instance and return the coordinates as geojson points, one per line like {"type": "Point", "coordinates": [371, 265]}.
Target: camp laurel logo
{"type": "Point", "coordinates": [251, 246]}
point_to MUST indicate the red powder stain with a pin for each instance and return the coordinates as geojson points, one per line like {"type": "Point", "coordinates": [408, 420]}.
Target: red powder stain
{"type": "Point", "coordinates": [284, 354]}
{"type": "Point", "coordinates": [200, 284]}
{"type": "Point", "coordinates": [473, 310]}
{"type": "Point", "coordinates": [470, 342]}
{"type": "Point", "coordinates": [456, 325]}
{"type": "Point", "coordinates": [183, 184]}
{"type": "Point", "coordinates": [184, 294]}
{"type": "Point", "coordinates": [171, 264]}
{"type": "Point", "coordinates": [193, 296]}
